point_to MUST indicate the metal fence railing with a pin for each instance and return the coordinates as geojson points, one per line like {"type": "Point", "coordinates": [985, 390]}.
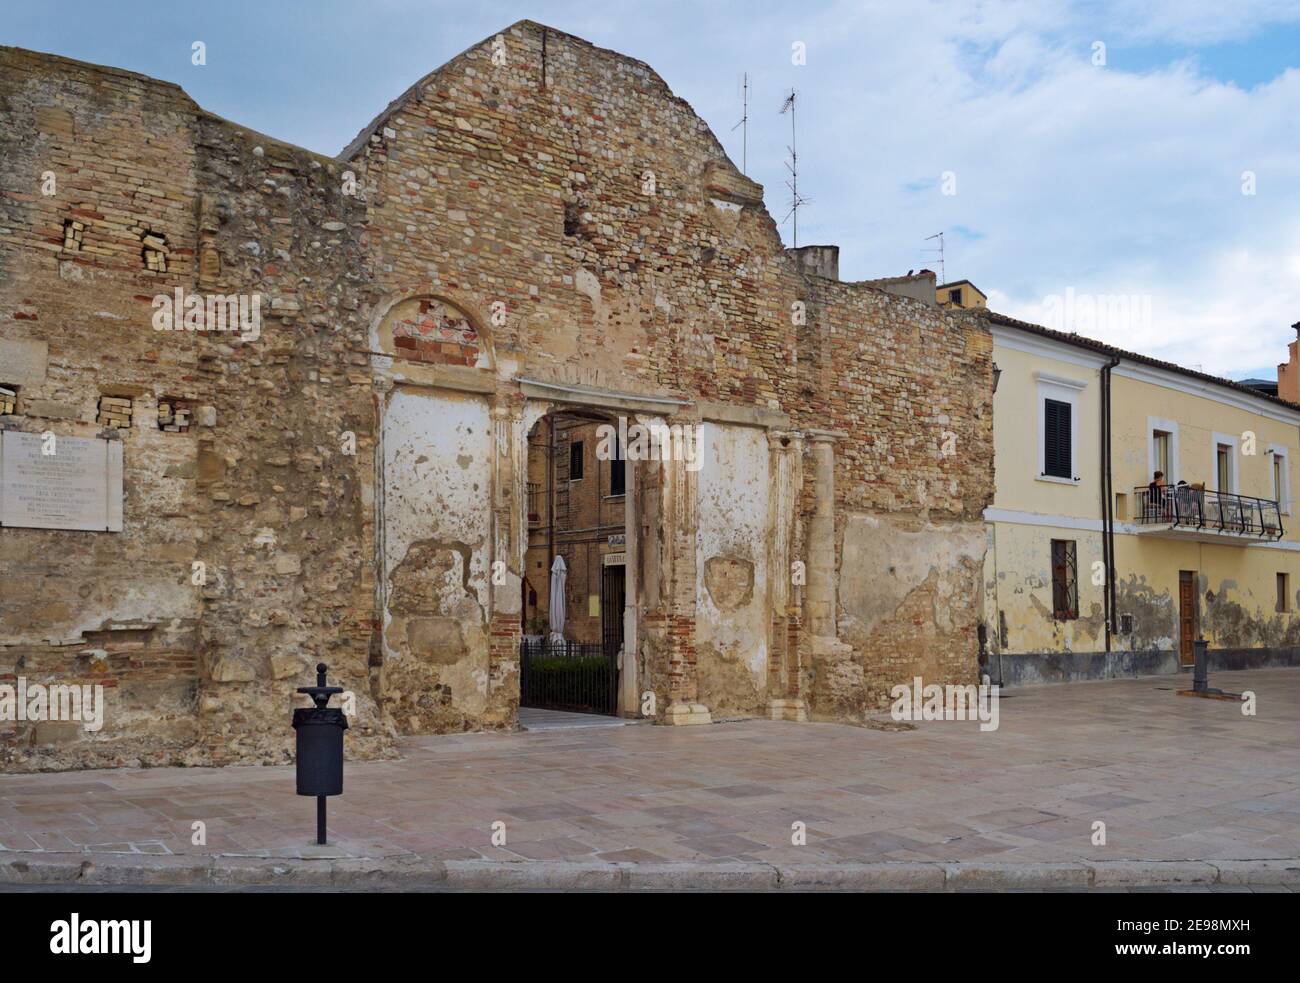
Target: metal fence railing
{"type": "Point", "coordinates": [1185, 507]}
{"type": "Point", "coordinates": [581, 677]}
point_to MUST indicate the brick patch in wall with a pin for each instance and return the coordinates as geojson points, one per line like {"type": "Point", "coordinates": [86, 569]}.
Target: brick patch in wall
{"type": "Point", "coordinates": [155, 251]}
{"type": "Point", "coordinates": [73, 233]}
{"type": "Point", "coordinates": [174, 415]}
{"type": "Point", "coordinates": [115, 411]}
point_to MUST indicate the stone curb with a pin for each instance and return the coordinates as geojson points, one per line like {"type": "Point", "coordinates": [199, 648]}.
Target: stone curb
{"type": "Point", "coordinates": [415, 872]}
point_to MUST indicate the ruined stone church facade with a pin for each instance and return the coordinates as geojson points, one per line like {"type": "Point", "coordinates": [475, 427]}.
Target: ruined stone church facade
{"type": "Point", "coordinates": [537, 226]}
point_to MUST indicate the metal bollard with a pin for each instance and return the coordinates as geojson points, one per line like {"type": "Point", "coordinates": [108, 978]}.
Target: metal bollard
{"type": "Point", "coordinates": [1201, 669]}
{"type": "Point", "coordinates": [320, 746]}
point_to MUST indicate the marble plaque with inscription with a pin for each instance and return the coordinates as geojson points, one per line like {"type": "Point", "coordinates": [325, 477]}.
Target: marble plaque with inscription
{"type": "Point", "coordinates": [78, 486]}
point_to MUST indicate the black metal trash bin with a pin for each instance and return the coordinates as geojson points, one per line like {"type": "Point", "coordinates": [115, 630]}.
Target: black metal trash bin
{"type": "Point", "coordinates": [320, 750]}
{"type": "Point", "coordinates": [319, 731]}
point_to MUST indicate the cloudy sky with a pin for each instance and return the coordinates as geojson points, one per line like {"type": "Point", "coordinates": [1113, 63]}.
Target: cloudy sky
{"type": "Point", "coordinates": [1069, 152]}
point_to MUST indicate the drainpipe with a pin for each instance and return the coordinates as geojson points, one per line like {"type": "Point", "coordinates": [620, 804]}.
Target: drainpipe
{"type": "Point", "coordinates": [550, 507]}
{"type": "Point", "coordinates": [1107, 505]}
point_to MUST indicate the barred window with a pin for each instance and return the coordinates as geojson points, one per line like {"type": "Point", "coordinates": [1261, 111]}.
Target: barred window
{"type": "Point", "coordinates": [1065, 583]}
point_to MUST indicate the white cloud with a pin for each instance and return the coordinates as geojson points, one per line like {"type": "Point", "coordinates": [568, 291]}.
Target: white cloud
{"type": "Point", "coordinates": [1074, 176]}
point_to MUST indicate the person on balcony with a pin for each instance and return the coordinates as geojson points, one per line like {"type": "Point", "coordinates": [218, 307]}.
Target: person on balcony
{"type": "Point", "coordinates": [1156, 503]}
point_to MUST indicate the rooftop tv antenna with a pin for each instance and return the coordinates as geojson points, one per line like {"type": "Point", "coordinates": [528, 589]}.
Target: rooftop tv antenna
{"type": "Point", "coordinates": [744, 133]}
{"type": "Point", "coordinates": [943, 277]}
{"type": "Point", "coordinates": [793, 166]}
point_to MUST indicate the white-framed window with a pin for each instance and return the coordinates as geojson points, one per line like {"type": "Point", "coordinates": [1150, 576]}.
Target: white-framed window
{"type": "Point", "coordinates": [1058, 428]}
{"type": "Point", "coordinates": [1162, 449]}
{"type": "Point", "coordinates": [1223, 465]}
{"type": "Point", "coordinates": [1280, 465]}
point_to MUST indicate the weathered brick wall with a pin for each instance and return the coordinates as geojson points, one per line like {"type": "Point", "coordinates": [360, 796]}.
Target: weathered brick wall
{"type": "Point", "coordinates": [591, 231]}
{"type": "Point", "coordinates": [489, 188]}
{"type": "Point", "coordinates": [113, 609]}
{"type": "Point", "coordinates": [911, 387]}
{"type": "Point", "coordinates": [254, 486]}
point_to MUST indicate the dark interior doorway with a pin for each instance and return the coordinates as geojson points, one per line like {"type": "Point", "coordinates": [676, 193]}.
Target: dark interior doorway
{"type": "Point", "coordinates": [612, 600]}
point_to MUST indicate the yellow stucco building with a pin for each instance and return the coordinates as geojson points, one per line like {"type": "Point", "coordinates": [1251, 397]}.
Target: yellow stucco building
{"type": "Point", "coordinates": [960, 293]}
{"type": "Point", "coordinates": [1089, 572]}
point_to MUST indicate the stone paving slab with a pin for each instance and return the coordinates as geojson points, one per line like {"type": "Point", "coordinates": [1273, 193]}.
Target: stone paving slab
{"type": "Point", "coordinates": [1191, 792]}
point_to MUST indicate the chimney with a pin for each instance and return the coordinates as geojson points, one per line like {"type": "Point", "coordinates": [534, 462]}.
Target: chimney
{"type": "Point", "coordinates": [1288, 373]}
{"type": "Point", "coordinates": [822, 261]}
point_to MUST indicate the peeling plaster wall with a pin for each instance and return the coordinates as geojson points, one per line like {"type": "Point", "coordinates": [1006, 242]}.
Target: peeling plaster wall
{"type": "Point", "coordinates": [1024, 591]}
{"type": "Point", "coordinates": [437, 453]}
{"type": "Point", "coordinates": [1235, 597]}
{"type": "Point", "coordinates": [905, 589]}
{"type": "Point", "coordinates": [731, 571]}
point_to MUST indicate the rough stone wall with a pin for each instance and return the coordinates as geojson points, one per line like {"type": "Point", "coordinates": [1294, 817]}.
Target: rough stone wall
{"type": "Point", "coordinates": [910, 387]}
{"type": "Point", "coordinates": [474, 178]}
{"type": "Point", "coordinates": [532, 201]}
{"type": "Point", "coordinates": [255, 489]}
{"type": "Point", "coordinates": [559, 217]}
{"type": "Point", "coordinates": [495, 190]}
{"type": "Point", "coordinates": [113, 609]}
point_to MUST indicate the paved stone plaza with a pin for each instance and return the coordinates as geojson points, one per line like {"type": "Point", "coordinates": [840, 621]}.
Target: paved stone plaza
{"type": "Point", "coordinates": [1173, 778]}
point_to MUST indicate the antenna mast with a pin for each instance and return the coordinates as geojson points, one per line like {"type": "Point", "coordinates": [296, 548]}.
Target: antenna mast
{"type": "Point", "coordinates": [793, 166]}
{"type": "Point", "coordinates": [744, 133]}
{"type": "Point", "coordinates": [943, 276]}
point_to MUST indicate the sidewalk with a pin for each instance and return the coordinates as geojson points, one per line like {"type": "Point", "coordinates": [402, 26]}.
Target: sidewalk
{"type": "Point", "coordinates": [1190, 791]}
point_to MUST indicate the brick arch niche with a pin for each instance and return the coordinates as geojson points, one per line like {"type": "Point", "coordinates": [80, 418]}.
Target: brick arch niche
{"type": "Point", "coordinates": [434, 331]}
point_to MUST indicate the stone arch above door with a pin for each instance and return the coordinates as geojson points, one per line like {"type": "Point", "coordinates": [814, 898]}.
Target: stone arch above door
{"type": "Point", "coordinates": [434, 331]}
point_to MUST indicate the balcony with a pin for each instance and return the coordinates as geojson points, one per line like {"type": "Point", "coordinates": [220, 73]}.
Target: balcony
{"type": "Point", "coordinates": [1183, 512]}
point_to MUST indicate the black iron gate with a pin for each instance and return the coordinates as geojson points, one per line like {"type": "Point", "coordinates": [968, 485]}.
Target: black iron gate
{"type": "Point", "coordinates": [612, 601]}
{"type": "Point", "coordinates": [577, 676]}
{"type": "Point", "coordinates": [581, 677]}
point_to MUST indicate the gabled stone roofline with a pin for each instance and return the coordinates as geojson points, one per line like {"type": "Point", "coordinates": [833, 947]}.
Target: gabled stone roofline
{"type": "Point", "coordinates": [725, 179]}
{"type": "Point", "coordinates": [62, 65]}
{"type": "Point", "coordinates": [63, 60]}
{"type": "Point", "coordinates": [374, 126]}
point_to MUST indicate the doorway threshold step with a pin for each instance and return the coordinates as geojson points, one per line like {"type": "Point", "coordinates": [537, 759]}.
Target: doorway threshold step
{"type": "Point", "coordinates": [532, 719]}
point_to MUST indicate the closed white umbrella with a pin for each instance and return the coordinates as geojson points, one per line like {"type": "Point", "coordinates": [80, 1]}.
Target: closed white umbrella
{"type": "Point", "coordinates": [558, 575]}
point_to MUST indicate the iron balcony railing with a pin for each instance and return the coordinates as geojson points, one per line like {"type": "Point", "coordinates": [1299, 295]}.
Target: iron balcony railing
{"type": "Point", "coordinates": [1184, 507]}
